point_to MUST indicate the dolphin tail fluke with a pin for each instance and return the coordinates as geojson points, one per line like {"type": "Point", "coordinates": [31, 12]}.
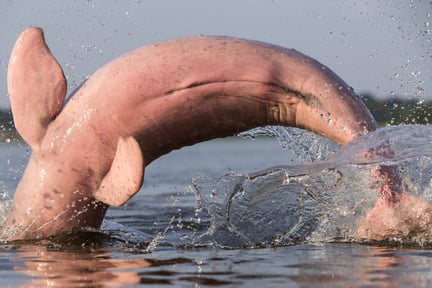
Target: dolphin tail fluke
{"type": "Point", "coordinates": [36, 85]}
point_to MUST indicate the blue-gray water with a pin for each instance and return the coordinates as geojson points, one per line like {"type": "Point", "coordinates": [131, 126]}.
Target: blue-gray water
{"type": "Point", "coordinates": [172, 232]}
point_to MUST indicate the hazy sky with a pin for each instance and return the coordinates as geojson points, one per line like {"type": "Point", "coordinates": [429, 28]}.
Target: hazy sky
{"type": "Point", "coordinates": [382, 47]}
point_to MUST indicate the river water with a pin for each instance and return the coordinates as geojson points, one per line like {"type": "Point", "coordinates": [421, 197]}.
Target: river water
{"type": "Point", "coordinates": [209, 216]}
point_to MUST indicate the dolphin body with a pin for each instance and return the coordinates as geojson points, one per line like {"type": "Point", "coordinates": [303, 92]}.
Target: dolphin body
{"type": "Point", "coordinates": [92, 152]}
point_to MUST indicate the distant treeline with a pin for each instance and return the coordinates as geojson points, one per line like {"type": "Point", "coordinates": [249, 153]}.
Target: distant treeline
{"type": "Point", "coordinates": [395, 111]}
{"type": "Point", "coordinates": [392, 111]}
{"type": "Point", "coordinates": [7, 128]}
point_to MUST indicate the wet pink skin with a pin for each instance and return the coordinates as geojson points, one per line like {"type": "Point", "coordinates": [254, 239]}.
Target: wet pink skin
{"type": "Point", "coordinates": [401, 217]}
{"type": "Point", "coordinates": [91, 152]}
{"type": "Point", "coordinates": [396, 214]}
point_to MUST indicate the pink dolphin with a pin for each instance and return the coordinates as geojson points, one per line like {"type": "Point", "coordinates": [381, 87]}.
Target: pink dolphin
{"type": "Point", "coordinates": [92, 152]}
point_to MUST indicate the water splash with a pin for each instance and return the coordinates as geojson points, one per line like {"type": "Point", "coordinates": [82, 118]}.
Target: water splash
{"type": "Point", "coordinates": [305, 145]}
{"type": "Point", "coordinates": [278, 209]}
{"type": "Point", "coordinates": [5, 204]}
{"type": "Point", "coordinates": [321, 201]}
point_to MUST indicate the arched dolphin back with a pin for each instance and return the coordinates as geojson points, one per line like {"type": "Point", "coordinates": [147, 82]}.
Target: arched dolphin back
{"type": "Point", "coordinates": [147, 103]}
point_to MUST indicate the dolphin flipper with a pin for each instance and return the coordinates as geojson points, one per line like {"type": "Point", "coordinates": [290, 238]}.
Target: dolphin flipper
{"type": "Point", "coordinates": [125, 176]}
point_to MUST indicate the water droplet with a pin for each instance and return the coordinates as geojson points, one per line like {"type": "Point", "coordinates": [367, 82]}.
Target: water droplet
{"type": "Point", "coordinates": [420, 90]}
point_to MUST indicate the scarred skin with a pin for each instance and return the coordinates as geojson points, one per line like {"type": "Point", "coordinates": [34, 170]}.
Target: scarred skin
{"type": "Point", "coordinates": [91, 153]}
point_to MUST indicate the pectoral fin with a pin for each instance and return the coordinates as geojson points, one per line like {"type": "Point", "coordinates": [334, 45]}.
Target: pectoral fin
{"type": "Point", "coordinates": [36, 85]}
{"type": "Point", "coordinates": [125, 176]}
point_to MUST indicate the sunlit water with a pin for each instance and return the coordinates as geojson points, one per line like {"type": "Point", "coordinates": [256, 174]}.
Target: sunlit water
{"type": "Point", "coordinates": [202, 206]}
